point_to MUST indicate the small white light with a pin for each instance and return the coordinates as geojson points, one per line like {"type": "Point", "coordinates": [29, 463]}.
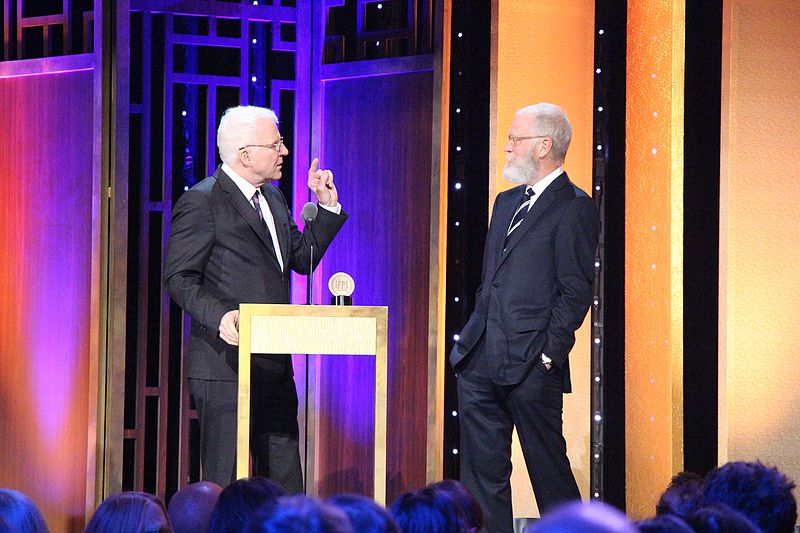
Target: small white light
{"type": "Point", "coordinates": [652, 419]}
{"type": "Point", "coordinates": [597, 264]}
{"type": "Point", "coordinates": [597, 187]}
{"type": "Point", "coordinates": [596, 494]}
{"type": "Point", "coordinates": [655, 113]}
{"type": "Point", "coordinates": [454, 413]}
{"type": "Point", "coordinates": [255, 2]}
{"type": "Point", "coordinates": [255, 41]}
{"type": "Point", "coordinates": [377, 43]}
{"type": "Point", "coordinates": [597, 418]}
{"type": "Point", "coordinates": [460, 35]}
{"type": "Point", "coordinates": [455, 451]}
{"type": "Point", "coordinates": [380, 6]}
{"type": "Point", "coordinates": [601, 32]}
{"type": "Point", "coordinates": [598, 71]}
{"type": "Point", "coordinates": [456, 337]}
{"type": "Point", "coordinates": [254, 79]}
{"type": "Point", "coordinates": [597, 340]}
{"type": "Point", "coordinates": [653, 75]}
{"type": "Point", "coordinates": [458, 185]}
{"type": "Point", "coordinates": [597, 456]}
{"type": "Point", "coordinates": [457, 299]}
{"type": "Point", "coordinates": [458, 148]}
{"type": "Point", "coordinates": [597, 302]}
{"type": "Point", "coordinates": [653, 227]}
{"type": "Point", "coordinates": [654, 150]}
{"type": "Point", "coordinates": [458, 223]}
{"type": "Point", "coordinates": [600, 109]}
{"type": "Point", "coordinates": [653, 266]}
{"type": "Point", "coordinates": [458, 110]}
{"type": "Point", "coordinates": [599, 147]}
{"type": "Point", "coordinates": [597, 379]}
{"type": "Point", "coordinates": [186, 188]}
{"type": "Point", "coordinates": [183, 113]}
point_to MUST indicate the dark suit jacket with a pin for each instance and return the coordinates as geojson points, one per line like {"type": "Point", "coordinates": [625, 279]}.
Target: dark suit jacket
{"type": "Point", "coordinates": [220, 255]}
{"type": "Point", "coordinates": [535, 293]}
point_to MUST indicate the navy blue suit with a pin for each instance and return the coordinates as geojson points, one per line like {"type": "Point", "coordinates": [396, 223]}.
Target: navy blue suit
{"type": "Point", "coordinates": [534, 293]}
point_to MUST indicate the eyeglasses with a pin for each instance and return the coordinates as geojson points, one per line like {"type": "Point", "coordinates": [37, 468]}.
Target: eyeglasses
{"type": "Point", "coordinates": [515, 140]}
{"type": "Point", "coordinates": [277, 146]}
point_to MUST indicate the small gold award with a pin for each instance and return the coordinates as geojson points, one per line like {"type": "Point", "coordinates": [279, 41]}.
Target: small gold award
{"type": "Point", "coordinates": [341, 286]}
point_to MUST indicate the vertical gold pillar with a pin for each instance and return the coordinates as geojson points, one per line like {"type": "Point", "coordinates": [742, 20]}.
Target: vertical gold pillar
{"type": "Point", "coordinates": [653, 250]}
{"type": "Point", "coordinates": [759, 258]}
{"type": "Point", "coordinates": [544, 52]}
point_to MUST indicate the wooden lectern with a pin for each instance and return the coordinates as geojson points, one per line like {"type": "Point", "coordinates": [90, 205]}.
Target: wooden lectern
{"type": "Point", "coordinates": [313, 329]}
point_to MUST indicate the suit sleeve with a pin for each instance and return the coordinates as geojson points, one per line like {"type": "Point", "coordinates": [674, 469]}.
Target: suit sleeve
{"type": "Point", "coordinates": [190, 244]}
{"type": "Point", "coordinates": [575, 247]}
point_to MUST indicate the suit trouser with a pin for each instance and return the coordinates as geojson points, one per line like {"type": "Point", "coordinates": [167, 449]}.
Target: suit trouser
{"type": "Point", "coordinates": [274, 434]}
{"type": "Point", "coordinates": [488, 414]}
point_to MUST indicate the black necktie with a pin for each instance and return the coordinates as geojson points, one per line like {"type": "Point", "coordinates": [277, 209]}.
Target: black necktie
{"type": "Point", "coordinates": [522, 210]}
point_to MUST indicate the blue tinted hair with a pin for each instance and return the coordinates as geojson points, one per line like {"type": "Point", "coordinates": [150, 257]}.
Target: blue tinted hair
{"type": "Point", "coordinates": [426, 511]}
{"type": "Point", "coordinates": [759, 492]}
{"type": "Point", "coordinates": [299, 514]}
{"type": "Point", "coordinates": [365, 515]}
{"type": "Point", "coordinates": [239, 500]}
{"type": "Point", "coordinates": [19, 513]}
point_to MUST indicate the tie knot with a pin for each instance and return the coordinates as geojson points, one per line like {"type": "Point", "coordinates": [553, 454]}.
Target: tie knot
{"type": "Point", "coordinates": [528, 192]}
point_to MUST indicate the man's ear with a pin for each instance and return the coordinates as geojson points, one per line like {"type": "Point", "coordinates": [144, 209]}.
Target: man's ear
{"type": "Point", "coordinates": [244, 157]}
{"type": "Point", "coordinates": [545, 146]}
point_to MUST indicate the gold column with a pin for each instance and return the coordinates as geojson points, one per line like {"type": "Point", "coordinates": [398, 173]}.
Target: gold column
{"type": "Point", "coordinates": [653, 251]}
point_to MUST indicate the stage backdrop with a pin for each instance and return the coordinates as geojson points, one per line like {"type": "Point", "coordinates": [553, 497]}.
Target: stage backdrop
{"type": "Point", "coordinates": [759, 316]}
{"type": "Point", "coordinates": [544, 52]}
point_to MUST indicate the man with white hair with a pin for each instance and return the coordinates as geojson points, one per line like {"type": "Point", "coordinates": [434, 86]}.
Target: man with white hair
{"type": "Point", "coordinates": [233, 241]}
{"type": "Point", "coordinates": [511, 357]}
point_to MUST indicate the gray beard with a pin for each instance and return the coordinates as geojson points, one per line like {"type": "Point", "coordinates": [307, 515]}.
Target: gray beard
{"type": "Point", "coordinates": [519, 172]}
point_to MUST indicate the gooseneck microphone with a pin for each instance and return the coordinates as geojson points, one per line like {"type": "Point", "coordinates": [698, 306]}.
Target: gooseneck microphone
{"type": "Point", "coordinates": [309, 214]}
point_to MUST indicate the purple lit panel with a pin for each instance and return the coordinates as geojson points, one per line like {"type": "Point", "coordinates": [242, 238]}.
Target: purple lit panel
{"type": "Point", "coordinates": [376, 136]}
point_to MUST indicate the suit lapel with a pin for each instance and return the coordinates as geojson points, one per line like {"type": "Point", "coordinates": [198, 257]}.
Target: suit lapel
{"type": "Point", "coordinates": [243, 207]}
{"type": "Point", "coordinates": [549, 195]}
{"type": "Point", "coordinates": [506, 205]}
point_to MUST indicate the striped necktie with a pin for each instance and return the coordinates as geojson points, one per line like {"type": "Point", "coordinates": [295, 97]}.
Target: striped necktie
{"type": "Point", "coordinates": [522, 210]}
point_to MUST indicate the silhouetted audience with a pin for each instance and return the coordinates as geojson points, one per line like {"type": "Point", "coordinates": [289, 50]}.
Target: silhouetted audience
{"type": "Point", "coordinates": [130, 512]}
{"type": "Point", "coordinates": [583, 517]}
{"type": "Point", "coordinates": [427, 511]}
{"type": "Point", "coordinates": [239, 500]}
{"type": "Point", "coordinates": [664, 523]}
{"type": "Point", "coordinates": [468, 507]}
{"type": "Point", "coordinates": [683, 496]}
{"type": "Point", "coordinates": [719, 518]}
{"type": "Point", "coordinates": [299, 514]}
{"type": "Point", "coordinates": [18, 513]}
{"type": "Point", "coordinates": [190, 508]}
{"type": "Point", "coordinates": [365, 515]}
{"type": "Point", "coordinates": [760, 493]}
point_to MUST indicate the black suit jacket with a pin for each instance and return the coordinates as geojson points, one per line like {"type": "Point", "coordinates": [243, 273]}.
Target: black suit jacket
{"type": "Point", "coordinates": [220, 255]}
{"type": "Point", "coordinates": [534, 293]}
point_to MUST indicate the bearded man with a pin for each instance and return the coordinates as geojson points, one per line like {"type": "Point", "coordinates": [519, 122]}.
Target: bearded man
{"type": "Point", "coordinates": [511, 359]}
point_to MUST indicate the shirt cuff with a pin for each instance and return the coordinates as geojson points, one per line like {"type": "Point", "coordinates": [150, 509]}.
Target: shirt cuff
{"type": "Point", "coordinates": [337, 209]}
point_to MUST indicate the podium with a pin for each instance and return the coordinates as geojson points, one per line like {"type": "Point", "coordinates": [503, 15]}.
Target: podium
{"type": "Point", "coordinates": [318, 330]}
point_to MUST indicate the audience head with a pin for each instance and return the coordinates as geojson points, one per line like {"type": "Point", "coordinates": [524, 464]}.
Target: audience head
{"type": "Point", "coordinates": [665, 523]}
{"type": "Point", "coordinates": [365, 515]}
{"type": "Point", "coordinates": [239, 500]}
{"type": "Point", "coordinates": [580, 517]}
{"type": "Point", "coordinates": [760, 493]}
{"type": "Point", "coordinates": [719, 518]}
{"type": "Point", "coordinates": [299, 514]}
{"type": "Point", "coordinates": [191, 507]}
{"type": "Point", "coordinates": [467, 505]}
{"type": "Point", "coordinates": [426, 511]}
{"type": "Point", "coordinates": [130, 512]}
{"type": "Point", "coordinates": [19, 513]}
{"type": "Point", "coordinates": [683, 495]}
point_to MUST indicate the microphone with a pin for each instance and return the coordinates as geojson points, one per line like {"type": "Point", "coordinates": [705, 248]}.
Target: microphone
{"type": "Point", "coordinates": [309, 213]}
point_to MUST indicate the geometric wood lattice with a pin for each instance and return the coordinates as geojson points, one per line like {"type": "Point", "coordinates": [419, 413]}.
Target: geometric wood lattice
{"type": "Point", "coordinates": [43, 28]}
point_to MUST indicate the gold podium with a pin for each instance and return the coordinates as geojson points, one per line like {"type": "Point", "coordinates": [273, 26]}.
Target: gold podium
{"type": "Point", "coordinates": [318, 330]}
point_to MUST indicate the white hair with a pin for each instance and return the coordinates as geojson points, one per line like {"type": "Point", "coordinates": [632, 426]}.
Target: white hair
{"type": "Point", "coordinates": [237, 128]}
{"type": "Point", "coordinates": [551, 121]}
